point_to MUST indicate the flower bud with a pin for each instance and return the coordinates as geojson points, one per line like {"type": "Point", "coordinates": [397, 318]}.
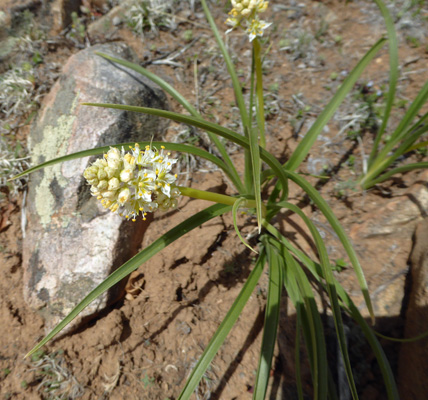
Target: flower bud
{"type": "Point", "coordinates": [246, 12]}
{"type": "Point", "coordinates": [113, 184]}
{"type": "Point", "coordinates": [109, 194]}
{"type": "Point", "coordinates": [93, 182]}
{"type": "Point", "coordinates": [110, 172]}
{"type": "Point", "coordinates": [102, 174]}
{"type": "Point", "coordinates": [103, 185]}
{"type": "Point", "coordinates": [175, 192]}
{"type": "Point", "coordinates": [90, 172]}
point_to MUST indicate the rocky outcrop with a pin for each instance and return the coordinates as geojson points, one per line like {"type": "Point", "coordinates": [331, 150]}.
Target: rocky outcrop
{"type": "Point", "coordinates": [72, 244]}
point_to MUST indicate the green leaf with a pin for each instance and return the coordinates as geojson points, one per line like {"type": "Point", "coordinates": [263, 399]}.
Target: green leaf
{"type": "Point", "coordinates": [183, 148]}
{"type": "Point", "coordinates": [248, 130]}
{"type": "Point", "coordinates": [395, 171]}
{"type": "Point", "coordinates": [348, 304]}
{"type": "Point", "coordinates": [131, 265]}
{"type": "Point", "coordinates": [270, 326]}
{"type": "Point", "coordinates": [154, 78]}
{"type": "Point", "coordinates": [393, 75]}
{"type": "Point", "coordinates": [381, 165]}
{"type": "Point", "coordinates": [235, 222]}
{"type": "Point", "coordinates": [224, 328]}
{"type": "Point", "coordinates": [230, 67]}
{"type": "Point", "coordinates": [314, 336]}
{"type": "Point", "coordinates": [411, 113]}
{"type": "Point", "coordinates": [331, 290]}
{"type": "Point", "coordinates": [297, 355]}
{"type": "Point", "coordinates": [182, 100]}
{"type": "Point", "coordinates": [199, 123]}
{"type": "Point", "coordinates": [282, 173]}
{"type": "Point", "coordinates": [305, 145]}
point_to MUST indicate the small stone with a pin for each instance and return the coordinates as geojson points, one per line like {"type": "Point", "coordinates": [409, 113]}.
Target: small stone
{"type": "Point", "coordinates": [102, 28]}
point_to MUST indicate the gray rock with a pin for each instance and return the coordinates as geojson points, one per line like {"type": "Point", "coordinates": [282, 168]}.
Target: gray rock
{"type": "Point", "coordinates": [413, 363]}
{"type": "Point", "coordinates": [72, 244]}
{"type": "Point", "coordinates": [107, 25]}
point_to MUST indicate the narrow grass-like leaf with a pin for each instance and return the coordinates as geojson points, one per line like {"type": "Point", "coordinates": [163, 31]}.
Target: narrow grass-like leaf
{"type": "Point", "coordinates": [393, 75]}
{"type": "Point", "coordinates": [183, 148]}
{"type": "Point", "coordinates": [246, 122]}
{"type": "Point", "coordinates": [256, 170]}
{"type": "Point", "coordinates": [301, 304]}
{"type": "Point", "coordinates": [154, 78]}
{"type": "Point", "coordinates": [230, 67]}
{"type": "Point", "coordinates": [305, 145]}
{"type": "Point", "coordinates": [224, 328]}
{"type": "Point", "coordinates": [408, 141]}
{"type": "Point", "coordinates": [404, 340]}
{"type": "Point", "coordinates": [183, 101]}
{"type": "Point", "coordinates": [381, 165]}
{"type": "Point", "coordinates": [202, 124]}
{"type": "Point", "coordinates": [131, 265]}
{"type": "Point", "coordinates": [417, 146]}
{"type": "Point", "coordinates": [331, 290]}
{"type": "Point", "coordinates": [318, 348]}
{"type": "Point", "coordinates": [348, 304]}
{"type": "Point", "coordinates": [250, 133]}
{"type": "Point", "coordinates": [400, 131]}
{"type": "Point", "coordinates": [395, 171]}
{"type": "Point", "coordinates": [235, 209]}
{"type": "Point", "coordinates": [297, 355]}
{"type": "Point", "coordinates": [282, 173]}
{"type": "Point", "coordinates": [270, 327]}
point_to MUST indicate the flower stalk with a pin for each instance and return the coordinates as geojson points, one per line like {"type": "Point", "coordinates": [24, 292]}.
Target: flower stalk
{"type": "Point", "coordinates": [259, 91]}
{"type": "Point", "coordinates": [214, 197]}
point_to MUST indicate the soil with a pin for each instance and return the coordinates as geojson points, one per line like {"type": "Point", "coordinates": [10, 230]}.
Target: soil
{"type": "Point", "coordinates": [145, 345]}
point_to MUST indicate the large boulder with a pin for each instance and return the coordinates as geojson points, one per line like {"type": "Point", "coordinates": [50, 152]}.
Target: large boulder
{"type": "Point", "coordinates": [72, 243]}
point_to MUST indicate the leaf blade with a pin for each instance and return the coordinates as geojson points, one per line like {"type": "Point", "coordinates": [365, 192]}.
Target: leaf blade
{"type": "Point", "coordinates": [224, 328]}
{"type": "Point", "coordinates": [131, 265]}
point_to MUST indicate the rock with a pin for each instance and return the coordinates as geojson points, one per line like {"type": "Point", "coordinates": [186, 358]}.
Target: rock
{"type": "Point", "coordinates": [107, 25]}
{"type": "Point", "coordinates": [72, 244]}
{"type": "Point", "coordinates": [413, 363]}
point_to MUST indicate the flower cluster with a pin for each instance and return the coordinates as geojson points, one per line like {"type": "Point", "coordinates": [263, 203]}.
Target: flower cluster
{"type": "Point", "coordinates": [134, 182]}
{"type": "Point", "coordinates": [248, 11]}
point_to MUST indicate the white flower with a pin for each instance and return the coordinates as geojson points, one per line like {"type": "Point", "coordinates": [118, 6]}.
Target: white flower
{"type": "Point", "coordinates": [248, 11]}
{"type": "Point", "coordinates": [256, 28]}
{"type": "Point", "coordinates": [135, 182]}
{"type": "Point", "coordinates": [123, 196]}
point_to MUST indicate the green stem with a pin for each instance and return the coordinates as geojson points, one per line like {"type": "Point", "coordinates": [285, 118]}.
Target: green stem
{"type": "Point", "coordinates": [215, 197]}
{"type": "Point", "coordinates": [259, 90]}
